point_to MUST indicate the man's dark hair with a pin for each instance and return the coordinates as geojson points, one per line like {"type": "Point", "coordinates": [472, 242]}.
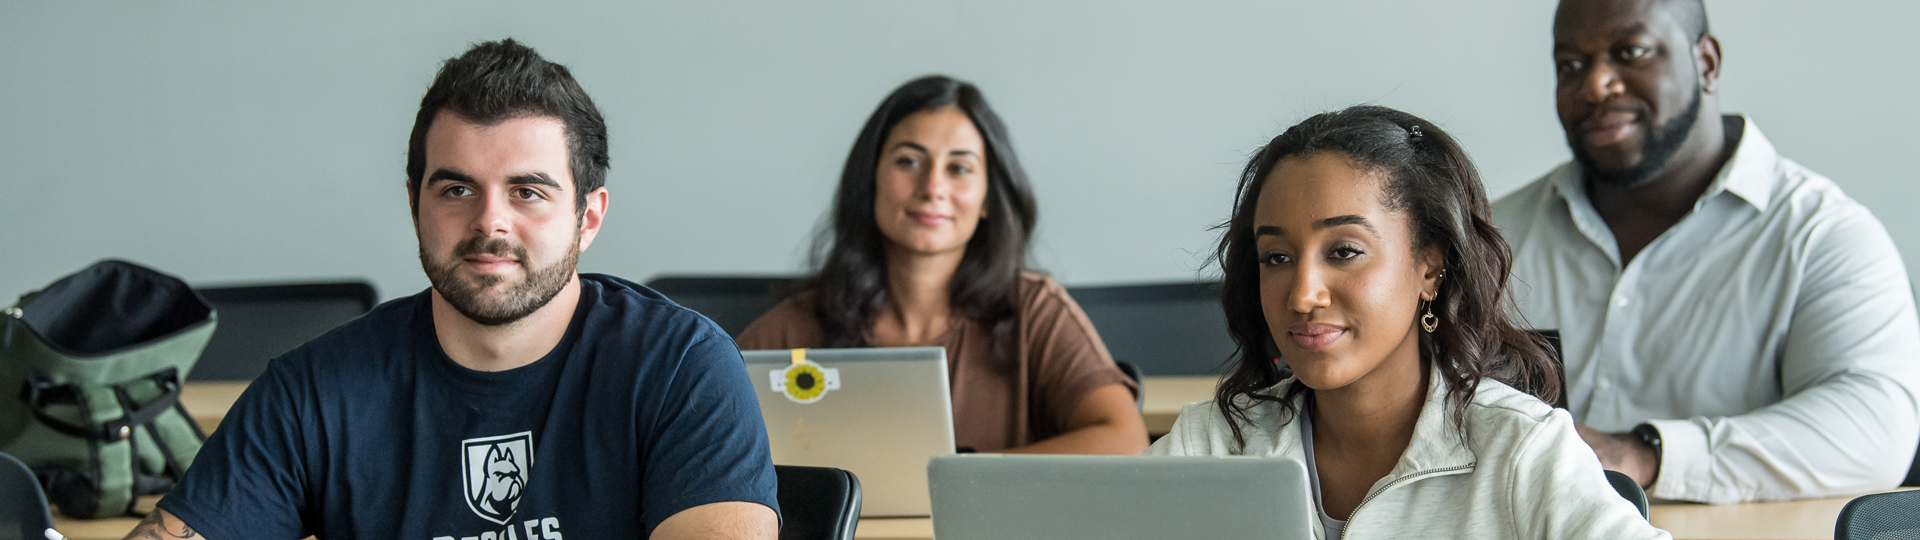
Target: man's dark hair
{"type": "Point", "coordinates": [1693, 16]}
{"type": "Point", "coordinates": [501, 80]}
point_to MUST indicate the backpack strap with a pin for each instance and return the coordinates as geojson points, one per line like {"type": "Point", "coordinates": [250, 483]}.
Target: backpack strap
{"type": "Point", "coordinates": [41, 392]}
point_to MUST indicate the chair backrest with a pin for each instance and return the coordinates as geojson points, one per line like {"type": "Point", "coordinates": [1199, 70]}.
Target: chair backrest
{"type": "Point", "coordinates": [818, 503]}
{"type": "Point", "coordinates": [1880, 516]}
{"type": "Point", "coordinates": [23, 507]}
{"type": "Point", "coordinates": [733, 302]}
{"type": "Point", "coordinates": [1552, 338]}
{"type": "Point", "coordinates": [1630, 490]}
{"type": "Point", "coordinates": [1164, 329]}
{"type": "Point", "coordinates": [1913, 472]}
{"type": "Point", "coordinates": [1139, 381]}
{"type": "Point", "coordinates": [258, 323]}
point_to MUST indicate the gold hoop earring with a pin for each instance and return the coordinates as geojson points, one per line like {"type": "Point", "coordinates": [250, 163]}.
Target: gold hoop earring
{"type": "Point", "coordinates": [1429, 321]}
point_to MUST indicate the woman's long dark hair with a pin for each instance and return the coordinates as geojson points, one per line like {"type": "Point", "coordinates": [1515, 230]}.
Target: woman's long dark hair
{"type": "Point", "coordinates": [850, 286]}
{"type": "Point", "coordinates": [1429, 179]}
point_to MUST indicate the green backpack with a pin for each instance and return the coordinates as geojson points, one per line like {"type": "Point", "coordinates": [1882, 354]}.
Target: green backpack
{"type": "Point", "coordinates": [90, 374]}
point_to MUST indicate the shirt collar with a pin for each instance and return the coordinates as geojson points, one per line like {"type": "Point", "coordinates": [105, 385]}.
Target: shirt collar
{"type": "Point", "coordinates": [1749, 174]}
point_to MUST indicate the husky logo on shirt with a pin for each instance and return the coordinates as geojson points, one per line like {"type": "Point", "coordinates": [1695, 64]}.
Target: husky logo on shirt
{"type": "Point", "coordinates": [496, 473]}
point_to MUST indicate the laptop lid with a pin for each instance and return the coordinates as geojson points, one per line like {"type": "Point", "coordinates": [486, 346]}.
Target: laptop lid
{"type": "Point", "coordinates": [1003, 497]}
{"type": "Point", "coordinates": [881, 413]}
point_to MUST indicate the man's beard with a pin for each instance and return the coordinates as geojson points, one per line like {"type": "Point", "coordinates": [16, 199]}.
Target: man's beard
{"type": "Point", "coordinates": [1662, 143]}
{"type": "Point", "coordinates": [518, 301]}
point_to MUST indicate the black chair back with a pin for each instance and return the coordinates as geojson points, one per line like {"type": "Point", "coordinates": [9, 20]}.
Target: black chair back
{"type": "Point", "coordinates": [1630, 490]}
{"type": "Point", "coordinates": [1880, 516]}
{"type": "Point", "coordinates": [1139, 381]}
{"type": "Point", "coordinates": [258, 323]}
{"type": "Point", "coordinates": [733, 302]}
{"type": "Point", "coordinates": [23, 507]}
{"type": "Point", "coordinates": [818, 503]}
{"type": "Point", "coordinates": [1913, 472]}
{"type": "Point", "coordinates": [1164, 329]}
{"type": "Point", "coordinates": [1552, 338]}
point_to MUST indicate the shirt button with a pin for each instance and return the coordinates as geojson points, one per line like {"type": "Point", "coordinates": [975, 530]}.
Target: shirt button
{"type": "Point", "coordinates": [1620, 301]}
{"type": "Point", "coordinates": [1605, 384]}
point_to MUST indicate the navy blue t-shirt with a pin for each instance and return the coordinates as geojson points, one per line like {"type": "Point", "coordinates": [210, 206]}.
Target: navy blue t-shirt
{"type": "Point", "coordinates": [644, 409]}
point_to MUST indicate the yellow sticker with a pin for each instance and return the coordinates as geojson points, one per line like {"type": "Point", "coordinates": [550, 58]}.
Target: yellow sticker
{"type": "Point", "coordinates": [804, 381]}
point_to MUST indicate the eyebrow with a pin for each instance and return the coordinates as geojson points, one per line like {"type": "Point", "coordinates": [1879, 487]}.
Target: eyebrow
{"type": "Point", "coordinates": [450, 175]}
{"type": "Point", "coordinates": [536, 178]}
{"type": "Point", "coordinates": [1335, 221]}
{"type": "Point", "coordinates": [1637, 28]}
{"type": "Point", "coordinates": [924, 150]}
{"type": "Point", "coordinates": [1630, 30]}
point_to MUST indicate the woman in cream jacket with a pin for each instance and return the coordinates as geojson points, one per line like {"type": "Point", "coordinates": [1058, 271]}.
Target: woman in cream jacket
{"type": "Point", "coordinates": [1363, 282]}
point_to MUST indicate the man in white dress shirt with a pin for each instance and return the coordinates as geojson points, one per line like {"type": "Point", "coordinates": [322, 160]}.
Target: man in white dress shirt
{"type": "Point", "coordinates": [1734, 327]}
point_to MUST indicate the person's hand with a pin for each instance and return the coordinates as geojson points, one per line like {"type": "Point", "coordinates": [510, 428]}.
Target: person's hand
{"type": "Point", "coordinates": [1622, 452]}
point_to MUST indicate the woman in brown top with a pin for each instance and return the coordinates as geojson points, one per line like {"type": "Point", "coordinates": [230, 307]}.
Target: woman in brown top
{"type": "Point", "coordinates": [927, 248]}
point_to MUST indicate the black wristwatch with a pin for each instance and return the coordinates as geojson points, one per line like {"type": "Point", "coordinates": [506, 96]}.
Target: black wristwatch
{"type": "Point", "coordinates": [1650, 436]}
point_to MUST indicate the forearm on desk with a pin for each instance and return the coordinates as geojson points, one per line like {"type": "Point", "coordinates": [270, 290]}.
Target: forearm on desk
{"type": "Point", "coordinates": [1088, 440]}
{"type": "Point", "coordinates": [1849, 435]}
{"type": "Point", "coordinates": [1849, 371]}
{"type": "Point", "coordinates": [1104, 422]}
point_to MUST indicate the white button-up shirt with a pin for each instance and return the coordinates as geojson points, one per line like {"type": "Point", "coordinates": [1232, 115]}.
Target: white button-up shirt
{"type": "Point", "coordinates": [1770, 335]}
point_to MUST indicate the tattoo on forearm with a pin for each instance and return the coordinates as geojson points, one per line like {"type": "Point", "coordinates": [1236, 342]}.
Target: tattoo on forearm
{"type": "Point", "coordinates": [155, 528]}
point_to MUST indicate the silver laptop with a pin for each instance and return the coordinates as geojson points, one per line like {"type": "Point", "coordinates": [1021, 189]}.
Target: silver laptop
{"type": "Point", "coordinates": [881, 413]}
{"type": "Point", "coordinates": [1003, 497]}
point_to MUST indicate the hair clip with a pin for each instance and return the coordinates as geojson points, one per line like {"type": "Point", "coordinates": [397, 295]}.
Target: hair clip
{"type": "Point", "coordinates": [1413, 132]}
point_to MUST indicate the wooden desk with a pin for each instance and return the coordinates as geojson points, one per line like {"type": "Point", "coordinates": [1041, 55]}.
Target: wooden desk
{"type": "Point", "coordinates": [1791, 520]}
{"type": "Point", "coordinates": [870, 529]}
{"type": "Point", "coordinates": [209, 402]}
{"type": "Point", "coordinates": [1166, 395]}
{"type": "Point", "coordinates": [1794, 520]}
{"type": "Point", "coordinates": [894, 529]}
{"type": "Point", "coordinates": [101, 529]}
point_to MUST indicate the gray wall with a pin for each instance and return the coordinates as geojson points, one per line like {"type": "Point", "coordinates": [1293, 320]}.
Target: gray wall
{"type": "Point", "coordinates": [252, 141]}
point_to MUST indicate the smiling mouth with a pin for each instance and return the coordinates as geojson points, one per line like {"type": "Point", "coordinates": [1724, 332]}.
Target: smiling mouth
{"type": "Point", "coordinates": [927, 219]}
{"type": "Point", "coordinates": [486, 264]}
{"type": "Point", "coordinates": [1609, 128]}
{"type": "Point", "coordinates": [1315, 337]}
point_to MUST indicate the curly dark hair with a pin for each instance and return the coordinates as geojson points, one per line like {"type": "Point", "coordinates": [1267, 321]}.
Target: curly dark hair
{"type": "Point", "coordinates": [1430, 180]}
{"type": "Point", "coordinates": [851, 284]}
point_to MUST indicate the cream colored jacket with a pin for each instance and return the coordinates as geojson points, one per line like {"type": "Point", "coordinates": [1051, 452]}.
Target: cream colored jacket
{"type": "Point", "coordinates": [1520, 472]}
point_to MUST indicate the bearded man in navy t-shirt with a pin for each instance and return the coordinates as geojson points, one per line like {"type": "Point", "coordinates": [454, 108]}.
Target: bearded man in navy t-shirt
{"type": "Point", "coordinates": [515, 399]}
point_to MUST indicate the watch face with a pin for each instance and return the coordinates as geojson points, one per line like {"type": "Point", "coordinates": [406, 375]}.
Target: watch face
{"type": "Point", "coordinates": [1647, 433]}
{"type": "Point", "coordinates": [1649, 436]}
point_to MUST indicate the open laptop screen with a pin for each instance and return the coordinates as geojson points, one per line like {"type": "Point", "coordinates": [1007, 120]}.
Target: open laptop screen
{"type": "Point", "coordinates": [880, 413]}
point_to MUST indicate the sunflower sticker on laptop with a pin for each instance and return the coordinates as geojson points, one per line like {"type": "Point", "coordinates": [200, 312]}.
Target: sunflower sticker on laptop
{"type": "Point", "coordinates": [804, 381]}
